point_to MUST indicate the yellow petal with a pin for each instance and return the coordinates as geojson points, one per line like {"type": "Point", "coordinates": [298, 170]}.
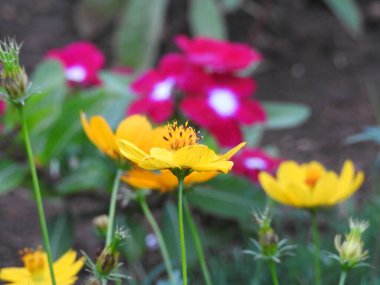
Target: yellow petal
{"type": "Point", "coordinates": [290, 172]}
{"type": "Point", "coordinates": [144, 179]}
{"type": "Point", "coordinates": [231, 152]}
{"type": "Point", "coordinates": [190, 156]}
{"type": "Point", "coordinates": [325, 189]}
{"type": "Point", "coordinates": [131, 152]}
{"type": "Point", "coordinates": [154, 163]}
{"type": "Point", "coordinates": [199, 177]}
{"type": "Point", "coordinates": [273, 190]}
{"type": "Point", "coordinates": [13, 274]}
{"type": "Point", "coordinates": [299, 195]}
{"type": "Point", "coordinates": [355, 184]}
{"type": "Point", "coordinates": [221, 166]}
{"type": "Point", "coordinates": [135, 129]}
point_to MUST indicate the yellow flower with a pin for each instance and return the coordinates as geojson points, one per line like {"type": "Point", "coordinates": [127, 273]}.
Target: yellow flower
{"type": "Point", "coordinates": [36, 269]}
{"type": "Point", "coordinates": [180, 152]}
{"type": "Point", "coordinates": [135, 129]}
{"type": "Point", "coordinates": [164, 180]}
{"type": "Point", "coordinates": [310, 185]}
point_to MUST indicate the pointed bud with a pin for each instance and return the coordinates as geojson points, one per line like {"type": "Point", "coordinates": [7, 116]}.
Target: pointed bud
{"type": "Point", "coordinates": [13, 78]}
{"type": "Point", "coordinates": [101, 224]}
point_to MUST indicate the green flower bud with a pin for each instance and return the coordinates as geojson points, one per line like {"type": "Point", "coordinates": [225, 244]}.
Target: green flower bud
{"type": "Point", "coordinates": [13, 78]}
{"type": "Point", "coordinates": [101, 224]}
{"type": "Point", "coordinates": [107, 261]}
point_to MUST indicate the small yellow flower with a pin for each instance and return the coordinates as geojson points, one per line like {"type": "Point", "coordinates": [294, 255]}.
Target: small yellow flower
{"type": "Point", "coordinates": [135, 129]}
{"type": "Point", "coordinates": [36, 269]}
{"type": "Point", "coordinates": [164, 180]}
{"type": "Point", "coordinates": [180, 152]}
{"type": "Point", "coordinates": [310, 185]}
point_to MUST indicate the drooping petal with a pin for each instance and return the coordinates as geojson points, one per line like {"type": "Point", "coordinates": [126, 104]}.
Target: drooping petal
{"type": "Point", "coordinates": [222, 166]}
{"type": "Point", "coordinates": [231, 152]}
{"type": "Point", "coordinates": [130, 151]}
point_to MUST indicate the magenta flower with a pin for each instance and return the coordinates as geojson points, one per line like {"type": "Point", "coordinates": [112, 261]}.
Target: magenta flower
{"type": "Point", "coordinates": [81, 61]}
{"type": "Point", "coordinates": [2, 107]}
{"type": "Point", "coordinates": [221, 103]}
{"type": "Point", "coordinates": [250, 162]}
{"type": "Point", "coordinates": [155, 88]}
{"type": "Point", "coordinates": [216, 55]}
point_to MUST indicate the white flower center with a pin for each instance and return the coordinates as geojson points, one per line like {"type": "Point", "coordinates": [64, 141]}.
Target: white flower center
{"type": "Point", "coordinates": [76, 73]}
{"type": "Point", "coordinates": [255, 163]}
{"type": "Point", "coordinates": [223, 101]}
{"type": "Point", "coordinates": [163, 90]}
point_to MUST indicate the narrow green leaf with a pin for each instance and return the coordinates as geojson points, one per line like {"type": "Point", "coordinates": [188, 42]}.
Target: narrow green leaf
{"type": "Point", "coordinates": [349, 14]}
{"type": "Point", "coordinates": [282, 115]}
{"type": "Point", "coordinates": [11, 175]}
{"type": "Point", "coordinates": [231, 5]}
{"type": "Point", "coordinates": [206, 19]}
{"type": "Point", "coordinates": [61, 233]}
{"type": "Point", "coordinates": [138, 37]}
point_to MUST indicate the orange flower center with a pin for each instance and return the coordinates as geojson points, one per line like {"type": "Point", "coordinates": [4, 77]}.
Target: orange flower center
{"type": "Point", "coordinates": [179, 136]}
{"type": "Point", "coordinates": [313, 174]}
{"type": "Point", "coordinates": [34, 262]}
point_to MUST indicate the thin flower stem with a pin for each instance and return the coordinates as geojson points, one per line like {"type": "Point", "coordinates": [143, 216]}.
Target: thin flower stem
{"type": "Point", "coordinates": [37, 191]}
{"type": "Point", "coordinates": [160, 239]}
{"type": "Point", "coordinates": [112, 207]}
{"type": "Point", "coordinates": [198, 245]}
{"type": "Point", "coordinates": [317, 254]}
{"type": "Point", "coordinates": [181, 230]}
{"type": "Point", "coordinates": [273, 272]}
{"type": "Point", "coordinates": [343, 277]}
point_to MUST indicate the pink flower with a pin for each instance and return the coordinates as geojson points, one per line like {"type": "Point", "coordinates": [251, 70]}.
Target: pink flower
{"type": "Point", "coordinates": [221, 103]}
{"type": "Point", "coordinates": [250, 162]}
{"type": "Point", "coordinates": [81, 61]}
{"type": "Point", "coordinates": [2, 107]}
{"type": "Point", "coordinates": [216, 55]}
{"type": "Point", "coordinates": [155, 88]}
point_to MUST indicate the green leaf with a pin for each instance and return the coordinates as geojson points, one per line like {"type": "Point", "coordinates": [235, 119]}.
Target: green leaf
{"type": "Point", "coordinates": [138, 37]}
{"type": "Point", "coordinates": [285, 115]}
{"type": "Point", "coordinates": [231, 5]}
{"type": "Point", "coordinates": [45, 106]}
{"type": "Point", "coordinates": [369, 134]}
{"type": "Point", "coordinates": [61, 234]}
{"type": "Point", "coordinates": [227, 197]}
{"type": "Point", "coordinates": [93, 16]}
{"type": "Point", "coordinates": [11, 175]}
{"type": "Point", "coordinates": [206, 19]}
{"type": "Point", "coordinates": [349, 14]}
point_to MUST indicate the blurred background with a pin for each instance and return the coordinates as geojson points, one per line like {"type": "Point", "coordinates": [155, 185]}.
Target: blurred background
{"type": "Point", "coordinates": [323, 54]}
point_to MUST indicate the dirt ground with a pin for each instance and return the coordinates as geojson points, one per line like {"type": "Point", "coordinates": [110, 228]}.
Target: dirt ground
{"type": "Point", "coordinates": [309, 58]}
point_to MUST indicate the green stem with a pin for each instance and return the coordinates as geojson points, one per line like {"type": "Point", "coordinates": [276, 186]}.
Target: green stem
{"type": "Point", "coordinates": [37, 191]}
{"type": "Point", "coordinates": [317, 258]}
{"type": "Point", "coordinates": [198, 244]}
{"type": "Point", "coordinates": [343, 277]}
{"type": "Point", "coordinates": [181, 230]}
{"type": "Point", "coordinates": [112, 208]}
{"type": "Point", "coordinates": [160, 239]}
{"type": "Point", "coordinates": [272, 268]}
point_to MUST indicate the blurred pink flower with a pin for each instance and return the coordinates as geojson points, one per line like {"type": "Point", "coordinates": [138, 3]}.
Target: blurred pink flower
{"type": "Point", "coordinates": [217, 55]}
{"type": "Point", "coordinates": [155, 89]}
{"type": "Point", "coordinates": [2, 107]}
{"type": "Point", "coordinates": [250, 162]}
{"type": "Point", "coordinates": [81, 61]}
{"type": "Point", "coordinates": [221, 103]}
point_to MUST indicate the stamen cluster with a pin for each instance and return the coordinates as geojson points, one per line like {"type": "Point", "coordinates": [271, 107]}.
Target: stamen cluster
{"type": "Point", "coordinates": [179, 136]}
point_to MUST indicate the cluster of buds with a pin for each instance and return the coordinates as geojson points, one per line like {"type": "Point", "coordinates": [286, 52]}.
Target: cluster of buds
{"type": "Point", "coordinates": [14, 83]}
{"type": "Point", "coordinates": [269, 246]}
{"type": "Point", "coordinates": [107, 261]}
{"type": "Point", "coordinates": [351, 249]}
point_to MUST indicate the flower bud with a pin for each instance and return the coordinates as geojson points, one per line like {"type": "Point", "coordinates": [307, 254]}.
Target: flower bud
{"type": "Point", "coordinates": [91, 281]}
{"type": "Point", "coordinates": [13, 78]}
{"type": "Point", "coordinates": [351, 250]}
{"type": "Point", "coordinates": [107, 261]}
{"type": "Point", "coordinates": [101, 224]}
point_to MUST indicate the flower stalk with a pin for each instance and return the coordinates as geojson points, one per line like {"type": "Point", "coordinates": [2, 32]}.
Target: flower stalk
{"type": "Point", "coordinates": [37, 191]}
{"type": "Point", "coordinates": [181, 178]}
{"type": "Point", "coordinates": [343, 277]}
{"type": "Point", "coordinates": [112, 207]}
{"type": "Point", "coordinates": [163, 248]}
{"type": "Point", "coordinates": [317, 253]}
{"type": "Point", "coordinates": [198, 244]}
{"type": "Point", "coordinates": [273, 272]}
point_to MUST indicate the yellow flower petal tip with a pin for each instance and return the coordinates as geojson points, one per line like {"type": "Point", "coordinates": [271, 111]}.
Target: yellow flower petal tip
{"type": "Point", "coordinates": [181, 151]}
{"type": "Point", "coordinates": [310, 185]}
{"type": "Point", "coordinates": [36, 269]}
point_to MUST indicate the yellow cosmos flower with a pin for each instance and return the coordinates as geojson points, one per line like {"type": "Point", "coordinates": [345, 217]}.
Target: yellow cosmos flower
{"type": "Point", "coordinates": [310, 185]}
{"type": "Point", "coordinates": [164, 180]}
{"type": "Point", "coordinates": [180, 152]}
{"type": "Point", "coordinates": [36, 269]}
{"type": "Point", "coordinates": [135, 129]}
